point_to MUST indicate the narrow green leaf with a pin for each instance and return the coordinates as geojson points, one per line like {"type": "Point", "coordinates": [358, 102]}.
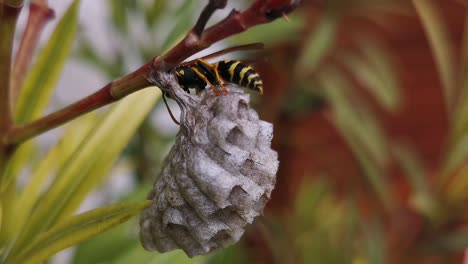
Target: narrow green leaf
{"type": "Point", "coordinates": [309, 196]}
{"type": "Point", "coordinates": [231, 255]}
{"type": "Point", "coordinates": [154, 12]}
{"type": "Point", "coordinates": [456, 184]}
{"type": "Point", "coordinates": [354, 113]}
{"type": "Point", "coordinates": [422, 198]}
{"type": "Point", "coordinates": [119, 15]}
{"type": "Point", "coordinates": [118, 243]}
{"type": "Point", "coordinates": [442, 48]}
{"type": "Point", "coordinates": [7, 207]}
{"type": "Point", "coordinates": [460, 121]}
{"type": "Point", "coordinates": [320, 41]}
{"type": "Point", "coordinates": [374, 69]}
{"type": "Point", "coordinates": [183, 18]}
{"type": "Point", "coordinates": [39, 84]}
{"type": "Point", "coordinates": [413, 168]}
{"type": "Point", "coordinates": [75, 230]}
{"type": "Point", "coordinates": [360, 130]}
{"type": "Point", "coordinates": [375, 174]}
{"type": "Point", "coordinates": [374, 236]}
{"type": "Point", "coordinates": [44, 75]}
{"type": "Point", "coordinates": [456, 157]}
{"type": "Point", "coordinates": [126, 123]}
{"type": "Point", "coordinates": [21, 156]}
{"type": "Point", "coordinates": [277, 31]}
{"type": "Point", "coordinates": [139, 255]}
{"type": "Point", "coordinates": [455, 241]}
{"type": "Point", "coordinates": [177, 256]}
{"type": "Point", "coordinates": [76, 178]}
{"type": "Point", "coordinates": [29, 196]}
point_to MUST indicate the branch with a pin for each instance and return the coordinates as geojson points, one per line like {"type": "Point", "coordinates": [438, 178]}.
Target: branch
{"type": "Point", "coordinates": [8, 16]}
{"type": "Point", "coordinates": [110, 93]}
{"type": "Point", "coordinates": [9, 12]}
{"type": "Point", "coordinates": [39, 15]}
{"type": "Point", "coordinates": [12, 3]}
{"type": "Point", "coordinates": [262, 11]}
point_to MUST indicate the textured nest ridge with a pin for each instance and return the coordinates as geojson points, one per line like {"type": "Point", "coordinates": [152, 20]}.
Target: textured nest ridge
{"type": "Point", "coordinates": [217, 177]}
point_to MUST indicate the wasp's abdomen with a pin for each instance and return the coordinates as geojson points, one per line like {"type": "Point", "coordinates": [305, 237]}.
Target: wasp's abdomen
{"type": "Point", "coordinates": [241, 74]}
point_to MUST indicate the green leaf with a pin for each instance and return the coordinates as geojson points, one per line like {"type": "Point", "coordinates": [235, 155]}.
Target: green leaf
{"type": "Point", "coordinates": [111, 145]}
{"type": "Point", "coordinates": [422, 198]}
{"type": "Point", "coordinates": [7, 207]}
{"type": "Point", "coordinates": [231, 255]}
{"type": "Point", "coordinates": [116, 243]}
{"type": "Point", "coordinates": [413, 168]}
{"type": "Point", "coordinates": [139, 255]}
{"type": "Point", "coordinates": [454, 241]}
{"type": "Point", "coordinates": [76, 229]}
{"type": "Point", "coordinates": [460, 121]}
{"type": "Point", "coordinates": [308, 199]}
{"type": "Point", "coordinates": [375, 70]}
{"type": "Point", "coordinates": [89, 164]}
{"type": "Point", "coordinates": [74, 134]}
{"type": "Point", "coordinates": [354, 114]}
{"type": "Point", "coordinates": [360, 130]}
{"type": "Point", "coordinates": [320, 41]}
{"type": "Point", "coordinates": [153, 13]}
{"type": "Point", "coordinates": [456, 157]}
{"type": "Point", "coordinates": [177, 256]}
{"type": "Point", "coordinates": [183, 18]}
{"type": "Point", "coordinates": [442, 48]}
{"type": "Point", "coordinates": [109, 246]}
{"type": "Point", "coordinates": [44, 75]}
{"type": "Point", "coordinates": [119, 15]}
{"type": "Point", "coordinates": [374, 236]}
{"type": "Point", "coordinates": [275, 32]}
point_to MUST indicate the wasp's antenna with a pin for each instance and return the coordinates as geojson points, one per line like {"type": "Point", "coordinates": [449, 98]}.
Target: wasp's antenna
{"type": "Point", "coordinates": [169, 110]}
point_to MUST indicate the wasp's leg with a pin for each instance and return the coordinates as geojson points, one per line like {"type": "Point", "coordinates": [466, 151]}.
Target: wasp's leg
{"type": "Point", "coordinates": [215, 70]}
{"type": "Point", "coordinates": [169, 109]}
{"type": "Point", "coordinates": [203, 77]}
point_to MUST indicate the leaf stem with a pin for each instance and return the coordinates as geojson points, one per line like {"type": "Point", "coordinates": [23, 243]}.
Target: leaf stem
{"type": "Point", "coordinates": [8, 17]}
{"type": "Point", "coordinates": [236, 22]}
{"type": "Point", "coordinates": [39, 15]}
{"type": "Point", "coordinates": [9, 12]}
{"type": "Point", "coordinates": [260, 12]}
{"type": "Point", "coordinates": [111, 92]}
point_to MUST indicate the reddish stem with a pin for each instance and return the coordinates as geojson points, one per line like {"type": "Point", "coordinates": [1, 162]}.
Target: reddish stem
{"type": "Point", "coordinates": [110, 93]}
{"type": "Point", "coordinates": [8, 17]}
{"type": "Point", "coordinates": [262, 11]}
{"type": "Point", "coordinates": [9, 13]}
{"type": "Point", "coordinates": [39, 15]}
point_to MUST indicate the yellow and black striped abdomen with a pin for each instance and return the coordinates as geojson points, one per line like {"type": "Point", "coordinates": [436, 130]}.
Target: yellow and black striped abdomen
{"type": "Point", "coordinates": [241, 74]}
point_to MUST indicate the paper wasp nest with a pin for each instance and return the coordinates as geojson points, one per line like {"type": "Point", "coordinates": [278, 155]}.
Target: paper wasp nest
{"type": "Point", "coordinates": [216, 178]}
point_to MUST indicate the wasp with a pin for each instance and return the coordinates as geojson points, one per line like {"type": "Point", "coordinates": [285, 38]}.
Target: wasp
{"type": "Point", "coordinates": [199, 73]}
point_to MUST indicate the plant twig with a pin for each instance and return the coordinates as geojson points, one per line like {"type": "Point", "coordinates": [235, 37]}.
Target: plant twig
{"type": "Point", "coordinates": [128, 84]}
{"type": "Point", "coordinates": [39, 15]}
{"type": "Point", "coordinates": [262, 11]}
{"type": "Point", "coordinates": [9, 12]}
{"type": "Point", "coordinates": [12, 3]}
{"type": "Point", "coordinates": [8, 17]}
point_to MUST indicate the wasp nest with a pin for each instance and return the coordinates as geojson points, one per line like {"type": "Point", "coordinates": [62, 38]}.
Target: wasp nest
{"type": "Point", "coordinates": [216, 178]}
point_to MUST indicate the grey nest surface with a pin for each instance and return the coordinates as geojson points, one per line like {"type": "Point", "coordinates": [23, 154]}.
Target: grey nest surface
{"type": "Point", "coordinates": [217, 177]}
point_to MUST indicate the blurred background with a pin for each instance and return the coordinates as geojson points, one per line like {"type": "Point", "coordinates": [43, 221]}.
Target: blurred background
{"type": "Point", "coordinates": [367, 98]}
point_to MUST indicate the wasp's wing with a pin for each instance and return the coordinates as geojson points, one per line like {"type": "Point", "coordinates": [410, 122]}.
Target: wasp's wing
{"type": "Point", "coordinates": [251, 46]}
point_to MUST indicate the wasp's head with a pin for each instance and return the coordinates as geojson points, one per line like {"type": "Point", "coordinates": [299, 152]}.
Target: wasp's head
{"type": "Point", "coordinates": [188, 79]}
